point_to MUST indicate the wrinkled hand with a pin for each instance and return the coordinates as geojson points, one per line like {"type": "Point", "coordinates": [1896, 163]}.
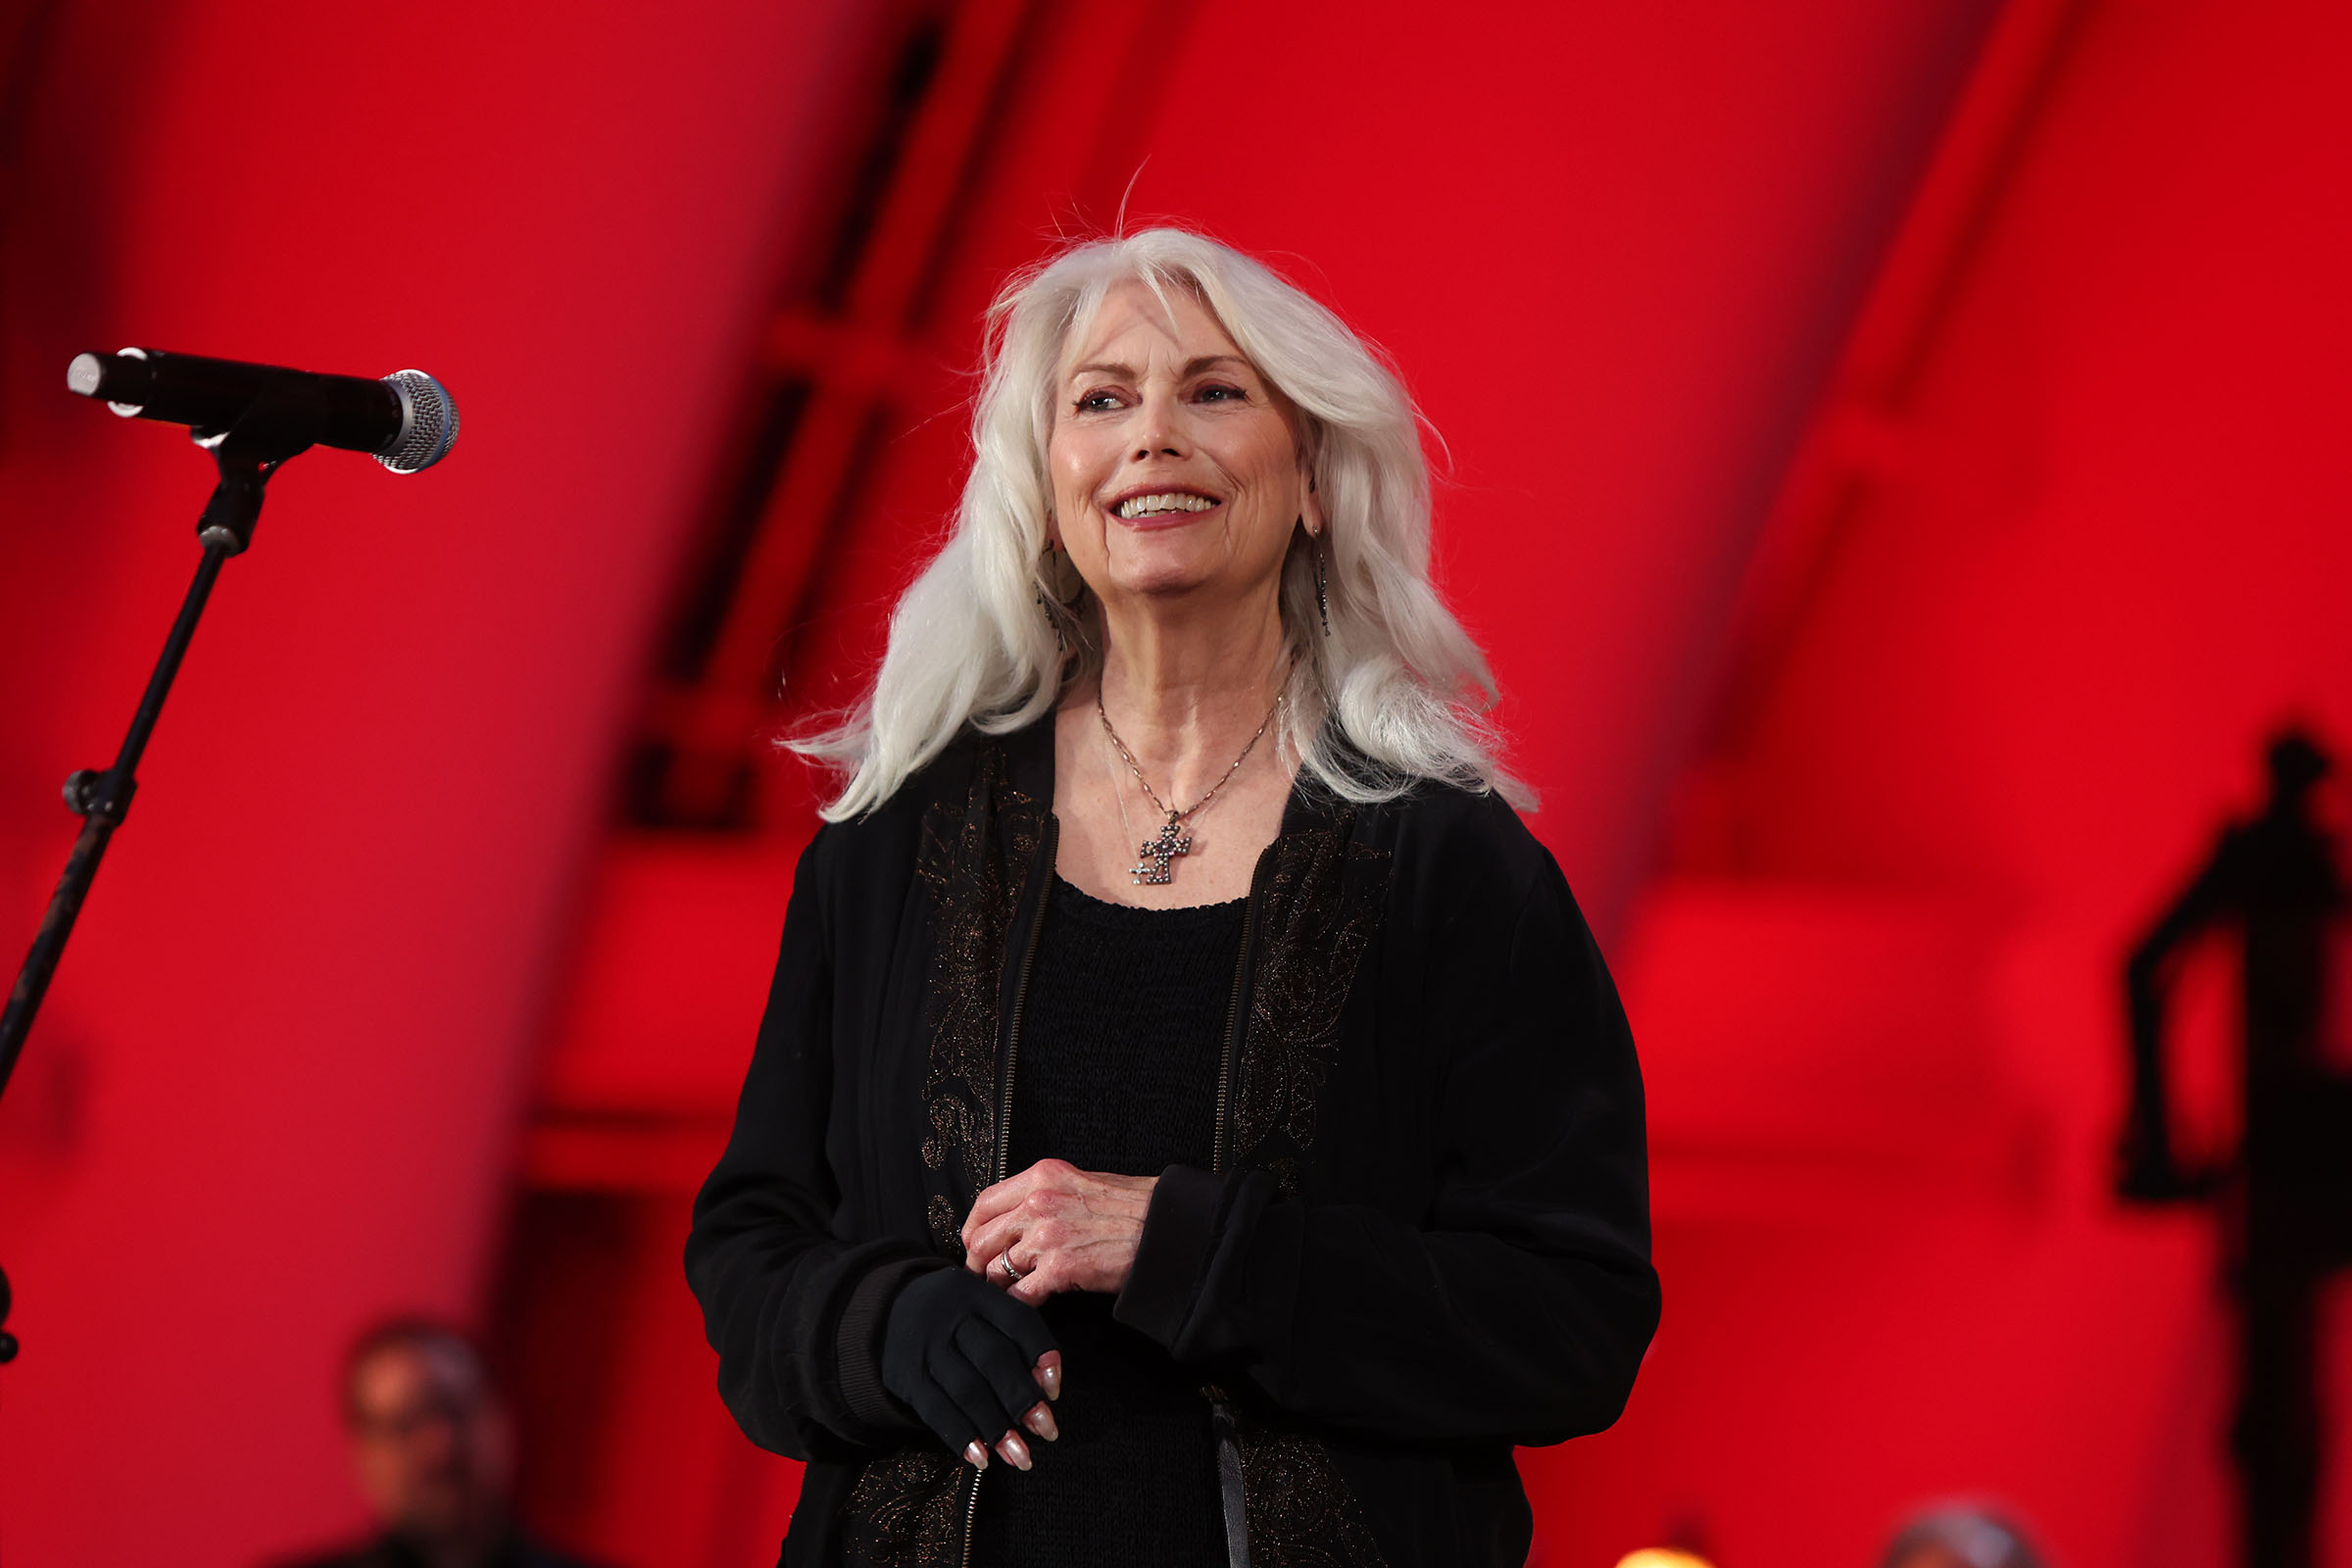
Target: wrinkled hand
{"type": "Point", "coordinates": [1064, 1229]}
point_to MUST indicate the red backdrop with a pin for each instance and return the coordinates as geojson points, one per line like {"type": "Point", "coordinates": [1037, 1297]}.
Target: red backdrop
{"type": "Point", "coordinates": [1865, 821]}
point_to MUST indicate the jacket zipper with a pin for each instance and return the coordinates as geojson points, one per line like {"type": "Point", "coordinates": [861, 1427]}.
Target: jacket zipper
{"type": "Point", "coordinates": [1013, 1050]}
{"type": "Point", "coordinates": [1220, 1409]}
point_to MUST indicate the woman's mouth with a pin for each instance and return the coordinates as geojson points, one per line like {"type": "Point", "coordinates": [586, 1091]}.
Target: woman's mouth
{"type": "Point", "coordinates": [1162, 508]}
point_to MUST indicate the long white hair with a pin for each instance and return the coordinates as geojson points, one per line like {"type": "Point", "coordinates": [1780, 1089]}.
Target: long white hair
{"type": "Point", "coordinates": [1401, 680]}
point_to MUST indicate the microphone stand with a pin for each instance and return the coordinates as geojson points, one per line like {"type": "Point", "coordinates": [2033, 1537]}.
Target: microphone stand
{"type": "Point", "coordinates": [278, 425]}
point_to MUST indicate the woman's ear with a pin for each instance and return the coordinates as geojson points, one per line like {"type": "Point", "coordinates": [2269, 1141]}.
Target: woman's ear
{"type": "Point", "coordinates": [1310, 509]}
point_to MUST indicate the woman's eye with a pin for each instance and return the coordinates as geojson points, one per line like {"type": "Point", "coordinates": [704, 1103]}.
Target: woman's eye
{"type": "Point", "coordinates": [1219, 393]}
{"type": "Point", "coordinates": [1098, 402]}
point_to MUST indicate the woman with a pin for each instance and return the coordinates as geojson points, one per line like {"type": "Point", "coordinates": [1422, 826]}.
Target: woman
{"type": "Point", "coordinates": [1192, 1122]}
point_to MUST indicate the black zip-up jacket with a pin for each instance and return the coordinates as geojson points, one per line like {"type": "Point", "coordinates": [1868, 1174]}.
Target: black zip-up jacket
{"type": "Point", "coordinates": [1426, 1238]}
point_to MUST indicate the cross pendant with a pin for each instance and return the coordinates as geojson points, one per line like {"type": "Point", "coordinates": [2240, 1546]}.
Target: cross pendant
{"type": "Point", "coordinates": [1159, 849]}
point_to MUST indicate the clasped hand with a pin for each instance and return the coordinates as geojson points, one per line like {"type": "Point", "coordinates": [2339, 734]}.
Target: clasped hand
{"type": "Point", "coordinates": [970, 1361]}
{"type": "Point", "coordinates": [1059, 1228]}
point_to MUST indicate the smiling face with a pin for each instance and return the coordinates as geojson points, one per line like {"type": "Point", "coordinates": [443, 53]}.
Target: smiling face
{"type": "Point", "coordinates": [1175, 467]}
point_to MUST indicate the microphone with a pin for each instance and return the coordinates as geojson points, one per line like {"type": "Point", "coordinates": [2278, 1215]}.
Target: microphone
{"type": "Point", "coordinates": [406, 420]}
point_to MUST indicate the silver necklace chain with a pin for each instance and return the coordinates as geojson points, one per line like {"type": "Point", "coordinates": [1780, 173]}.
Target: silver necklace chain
{"type": "Point", "coordinates": [1170, 841]}
{"type": "Point", "coordinates": [1175, 815]}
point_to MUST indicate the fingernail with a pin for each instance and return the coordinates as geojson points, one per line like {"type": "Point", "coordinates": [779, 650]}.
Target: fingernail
{"type": "Point", "coordinates": [1040, 1420]}
{"type": "Point", "coordinates": [1015, 1449]}
{"type": "Point", "coordinates": [1049, 1378]}
{"type": "Point", "coordinates": [975, 1456]}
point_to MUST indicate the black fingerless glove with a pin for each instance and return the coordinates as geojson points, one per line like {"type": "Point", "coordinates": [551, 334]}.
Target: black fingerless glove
{"type": "Point", "coordinates": [960, 1353]}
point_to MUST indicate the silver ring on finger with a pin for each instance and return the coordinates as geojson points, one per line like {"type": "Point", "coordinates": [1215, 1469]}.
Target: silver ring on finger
{"type": "Point", "coordinates": [1013, 1276]}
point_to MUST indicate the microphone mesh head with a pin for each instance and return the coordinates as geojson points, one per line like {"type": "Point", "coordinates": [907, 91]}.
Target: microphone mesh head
{"type": "Point", "coordinates": [428, 423]}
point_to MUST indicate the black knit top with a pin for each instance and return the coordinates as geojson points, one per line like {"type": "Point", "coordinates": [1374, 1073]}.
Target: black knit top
{"type": "Point", "coordinates": [1121, 1036]}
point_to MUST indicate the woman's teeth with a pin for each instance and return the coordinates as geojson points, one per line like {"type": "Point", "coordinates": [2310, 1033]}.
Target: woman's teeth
{"type": "Point", "coordinates": [1174, 501]}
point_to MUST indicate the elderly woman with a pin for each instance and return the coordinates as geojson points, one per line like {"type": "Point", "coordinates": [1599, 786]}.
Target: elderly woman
{"type": "Point", "coordinates": [1192, 1123]}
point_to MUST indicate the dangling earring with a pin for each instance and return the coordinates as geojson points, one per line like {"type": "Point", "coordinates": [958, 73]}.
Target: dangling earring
{"type": "Point", "coordinates": [1061, 638]}
{"type": "Point", "coordinates": [1322, 592]}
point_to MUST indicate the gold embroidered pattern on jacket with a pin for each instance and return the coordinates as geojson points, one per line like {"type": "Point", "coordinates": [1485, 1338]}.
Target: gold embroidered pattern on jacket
{"type": "Point", "coordinates": [942, 1217]}
{"type": "Point", "coordinates": [974, 859]}
{"type": "Point", "coordinates": [1320, 916]}
{"type": "Point", "coordinates": [974, 856]}
{"type": "Point", "coordinates": [1302, 1514]}
{"type": "Point", "coordinates": [1322, 911]}
{"type": "Point", "coordinates": [956, 1126]}
{"type": "Point", "coordinates": [904, 1513]}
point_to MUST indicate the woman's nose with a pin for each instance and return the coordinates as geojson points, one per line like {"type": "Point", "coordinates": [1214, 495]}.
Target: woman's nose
{"type": "Point", "coordinates": [1159, 432]}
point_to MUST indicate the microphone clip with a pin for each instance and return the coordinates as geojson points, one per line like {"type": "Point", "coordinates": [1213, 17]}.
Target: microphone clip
{"type": "Point", "coordinates": [283, 422]}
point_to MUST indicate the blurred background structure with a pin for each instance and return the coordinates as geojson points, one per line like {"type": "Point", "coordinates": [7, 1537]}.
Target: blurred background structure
{"type": "Point", "coordinates": [1895, 459]}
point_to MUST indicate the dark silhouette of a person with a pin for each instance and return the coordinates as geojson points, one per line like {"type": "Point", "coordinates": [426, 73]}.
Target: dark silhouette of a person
{"type": "Point", "coordinates": [2283, 1198]}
